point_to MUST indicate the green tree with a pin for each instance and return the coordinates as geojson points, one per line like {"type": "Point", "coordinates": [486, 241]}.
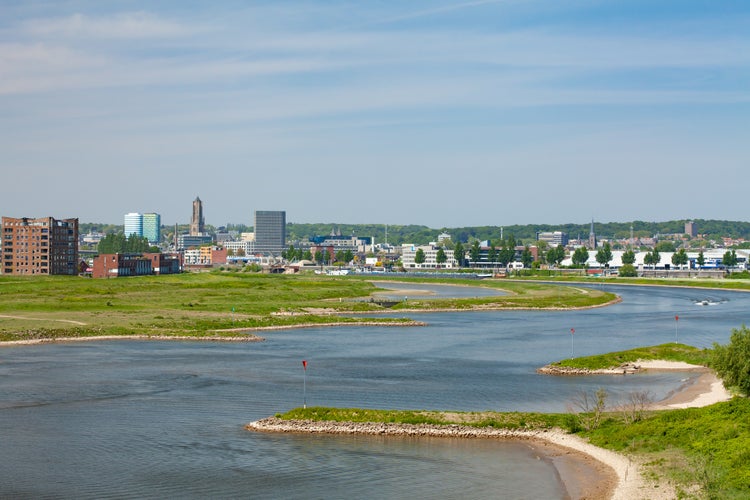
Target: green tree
{"type": "Point", "coordinates": [665, 246]}
{"type": "Point", "coordinates": [459, 253]}
{"type": "Point", "coordinates": [526, 257]}
{"type": "Point", "coordinates": [290, 253]}
{"type": "Point", "coordinates": [137, 244]}
{"type": "Point", "coordinates": [112, 243]}
{"type": "Point", "coordinates": [648, 259]}
{"type": "Point", "coordinates": [652, 258]}
{"type": "Point", "coordinates": [492, 253]}
{"type": "Point", "coordinates": [556, 255]}
{"type": "Point", "coordinates": [440, 257]}
{"type": "Point", "coordinates": [679, 258]}
{"type": "Point", "coordinates": [580, 256]}
{"type": "Point", "coordinates": [701, 260]}
{"type": "Point", "coordinates": [732, 361]}
{"type": "Point", "coordinates": [604, 255]}
{"type": "Point", "coordinates": [474, 252]}
{"type": "Point", "coordinates": [508, 251]}
{"type": "Point", "coordinates": [729, 259]}
{"type": "Point", "coordinates": [628, 257]}
{"type": "Point", "coordinates": [419, 257]}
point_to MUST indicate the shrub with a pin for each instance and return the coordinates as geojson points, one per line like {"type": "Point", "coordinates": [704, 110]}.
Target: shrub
{"type": "Point", "coordinates": [732, 361]}
{"type": "Point", "coordinates": [627, 271]}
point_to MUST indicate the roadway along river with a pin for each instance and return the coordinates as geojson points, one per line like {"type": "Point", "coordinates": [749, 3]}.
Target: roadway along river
{"type": "Point", "coordinates": [140, 419]}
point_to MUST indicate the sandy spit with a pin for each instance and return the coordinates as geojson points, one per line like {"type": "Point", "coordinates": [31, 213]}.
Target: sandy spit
{"type": "Point", "coordinates": [619, 479]}
{"type": "Point", "coordinates": [244, 338]}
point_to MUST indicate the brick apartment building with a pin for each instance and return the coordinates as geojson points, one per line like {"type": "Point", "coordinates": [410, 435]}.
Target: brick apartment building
{"type": "Point", "coordinates": [39, 246]}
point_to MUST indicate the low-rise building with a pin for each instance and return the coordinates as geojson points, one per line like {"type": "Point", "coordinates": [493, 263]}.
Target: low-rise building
{"type": "Point", "coordinates": [409, 253]}
{"type": "Point", "coordinates": [115, 265]}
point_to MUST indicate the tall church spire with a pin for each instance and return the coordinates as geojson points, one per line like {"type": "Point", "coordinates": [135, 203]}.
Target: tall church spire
{"type": "Point", "coordinates": [592, 236]}
{"type": "Point", "coordinates": [197, 222]}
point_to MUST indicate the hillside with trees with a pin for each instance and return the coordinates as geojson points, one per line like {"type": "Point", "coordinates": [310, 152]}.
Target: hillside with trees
{"type": "Point", "coordinates": [524, 234]}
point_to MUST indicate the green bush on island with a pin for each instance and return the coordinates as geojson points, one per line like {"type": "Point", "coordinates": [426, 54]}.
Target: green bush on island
{"type": "Point", "coordinates": [667, 352]}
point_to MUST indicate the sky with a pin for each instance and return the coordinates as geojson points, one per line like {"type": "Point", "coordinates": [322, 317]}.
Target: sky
{"type": "Point", "coordinates": [444, 113]}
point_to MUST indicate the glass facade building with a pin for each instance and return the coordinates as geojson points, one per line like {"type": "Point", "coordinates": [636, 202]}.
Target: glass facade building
{"type": "Point", "coordinates": [270, 232]}
{"type": "Point", "coordinates": [133, 224]}
{"type": "Point", "coordinates": [152, 227]}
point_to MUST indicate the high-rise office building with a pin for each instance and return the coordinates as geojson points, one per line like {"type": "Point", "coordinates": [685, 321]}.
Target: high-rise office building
{"type": "Point", "coordinates": [196, 222]}
{"type": "Point", "coordinates": [133, 224]}
{"type": "Point", "coordinates": [152, 227]}
{"type": "Point", "coordinates": [270, 232]}
{"type": "Point", "coordinates": [40, 246]}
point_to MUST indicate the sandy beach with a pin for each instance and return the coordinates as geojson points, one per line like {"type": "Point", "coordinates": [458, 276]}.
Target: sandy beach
{"type": "Point", "coordinates": [586, 471]}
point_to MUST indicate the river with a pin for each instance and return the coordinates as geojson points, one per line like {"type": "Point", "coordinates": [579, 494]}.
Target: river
{"type": "Point", "coordinates": [151, 419]}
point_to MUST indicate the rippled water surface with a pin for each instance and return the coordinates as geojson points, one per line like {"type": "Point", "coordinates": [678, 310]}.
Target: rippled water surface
{"type": "Point", "coordinates": [141, 419]}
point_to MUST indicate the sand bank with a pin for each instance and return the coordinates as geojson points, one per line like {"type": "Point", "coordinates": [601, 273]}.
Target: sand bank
{"type": "Point", "coordinates": [243, 338]}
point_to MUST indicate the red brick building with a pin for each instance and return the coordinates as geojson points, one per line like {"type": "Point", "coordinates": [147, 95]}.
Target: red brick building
{"type": "Point", "coordinates": [39, 246]}
{"type": "Point", "coordinates": [114, 265]}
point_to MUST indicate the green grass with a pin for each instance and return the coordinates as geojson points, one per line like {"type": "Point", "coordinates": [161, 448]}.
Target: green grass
{"type": "Point", "coordinates": [199, 304]}
{"type": "Point", "coordinates": [667, 352]}
{"type": "Point", "coordinates": [710, 446]}
{"type": "Point", "coordinates": [508, 420]}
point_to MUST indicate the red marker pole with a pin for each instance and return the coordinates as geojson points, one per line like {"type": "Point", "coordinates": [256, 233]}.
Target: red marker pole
{"type": "Point", "coordinates": [304, 384]}
{"type": "Point", "coordinates": [572, 332]}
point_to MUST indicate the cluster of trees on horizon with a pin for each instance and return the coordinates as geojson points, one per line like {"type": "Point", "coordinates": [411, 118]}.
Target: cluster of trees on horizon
{"type": "Point", "coordinates": [417, 234]}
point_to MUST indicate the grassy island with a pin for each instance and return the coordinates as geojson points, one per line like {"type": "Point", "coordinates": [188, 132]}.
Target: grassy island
{"type": "Point", "coordinates": [215, 305]}
{"type": "Point", "coordinates": [701, 452]}
{"type": "Point", "coordinates": [613, 360]}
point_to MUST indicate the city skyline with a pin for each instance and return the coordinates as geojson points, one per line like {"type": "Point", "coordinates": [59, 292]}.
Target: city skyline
{"type": "Point", "coordinates": [439, 114]}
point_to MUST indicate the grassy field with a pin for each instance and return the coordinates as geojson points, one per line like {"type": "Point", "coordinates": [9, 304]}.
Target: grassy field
{"type": "Point", "coordinates": [705, 452]}
{"type": "Point", "coordinates": [212, 304]}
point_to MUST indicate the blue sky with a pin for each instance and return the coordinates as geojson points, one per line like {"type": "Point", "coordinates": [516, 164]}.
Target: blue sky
{"type": "Point", "coordinates": [442, 113]}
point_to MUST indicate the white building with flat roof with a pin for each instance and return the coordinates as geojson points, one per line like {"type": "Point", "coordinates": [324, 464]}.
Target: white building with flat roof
{"type": "Point", "coordinates": [409, 252]}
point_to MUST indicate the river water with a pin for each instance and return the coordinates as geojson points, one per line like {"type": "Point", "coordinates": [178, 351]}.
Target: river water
{"type": "Point", "coordinates": [148, 419]}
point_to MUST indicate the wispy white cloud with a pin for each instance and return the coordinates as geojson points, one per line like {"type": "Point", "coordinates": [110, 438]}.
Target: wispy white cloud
{"type": "Point", "coordinates": [127, 25]}
{"type": "Point", "coordinates": [287, 81]}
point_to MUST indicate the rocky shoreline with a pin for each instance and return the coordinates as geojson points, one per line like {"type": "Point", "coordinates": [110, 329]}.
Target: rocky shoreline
{"type": "Point", "coordinates": [616, 476]}
{"type": "Point", "coordinates": [275, 424]}
{"type": "Point", "coordinates": [624, 369]}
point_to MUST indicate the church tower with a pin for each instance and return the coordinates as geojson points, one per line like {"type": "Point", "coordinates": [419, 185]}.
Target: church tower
{"type": "Point", "coordinates": [592, 237]}
{"type": "Point", "coordinates": [197, 222]}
